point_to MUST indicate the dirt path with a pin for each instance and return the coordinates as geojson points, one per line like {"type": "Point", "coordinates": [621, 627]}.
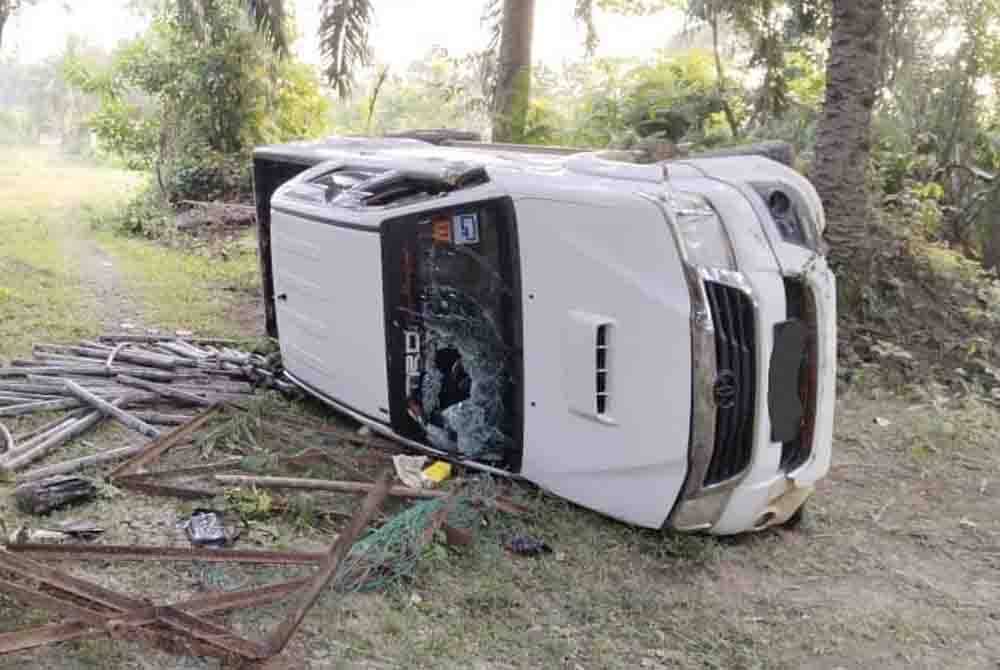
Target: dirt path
{"type": "Point", "coordinates": [118, 308]}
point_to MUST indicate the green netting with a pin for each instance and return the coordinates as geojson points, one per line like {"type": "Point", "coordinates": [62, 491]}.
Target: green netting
{"type": "Point", "coordinates": [389, 554]}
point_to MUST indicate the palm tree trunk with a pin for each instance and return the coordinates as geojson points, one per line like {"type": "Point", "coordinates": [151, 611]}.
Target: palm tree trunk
{"type": "Point", "coordinates": [720, 73]}
{"type": "Point", "coordinates": [843, 139]}
{"type": "Point", "coordinates": [513, 91]}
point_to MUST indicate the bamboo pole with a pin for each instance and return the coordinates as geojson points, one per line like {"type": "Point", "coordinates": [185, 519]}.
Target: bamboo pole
{"type": "Point", "coordinates": [49, 426]}
{"type": "Point", "coordinates": [161, 419]}
{"type": "Point", "coordinates": [107, 408]}
{"type": "Point", "coordinates": [75, 464]}
{"type": "Point", "coordinates": [8, 439]}
{"type": "Point", "coordinates": [148, 360]}
{"type": "Point", "coordinates": [40, 406]}
{"type": "Point", "coordinates": [53, 442]}
{"type": "Point", "coordinates": [153, 339]}
{"type": "Point", "coordinates": [27, 443]}
{"type": "Point", "coordinates": [165, 391]}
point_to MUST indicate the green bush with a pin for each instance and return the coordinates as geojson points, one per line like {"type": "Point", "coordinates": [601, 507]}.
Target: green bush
{"type": "Point", "coordinates": [146, 214]}
{"type": "Point", "coordinates": [204, 175]}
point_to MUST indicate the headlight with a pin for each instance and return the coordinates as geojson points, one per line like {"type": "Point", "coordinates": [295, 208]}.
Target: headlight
{"type": "Point", "coordinates": [790, 213]}
{"type": "Point", "coordinates": [705, 241]}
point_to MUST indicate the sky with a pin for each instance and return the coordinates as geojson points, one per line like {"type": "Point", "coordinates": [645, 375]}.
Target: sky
{"type": "Point", "coordinates": [403, 30]}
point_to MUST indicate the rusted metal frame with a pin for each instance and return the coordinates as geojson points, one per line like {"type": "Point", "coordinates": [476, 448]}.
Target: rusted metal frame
{"type": "Point", "coordinates": [161, 444]}
{"type": "Point", "coordinates": [39, 636]}
{"type": "Point", "coordinates": [328, 568]}
{"type": "Point", "coordinates": [118, 552]}
{"type": "Point", "coordinates": [170, 617]}
{"type": "Point", "coordinates": [191, 626]}
{"type": "Point", "coordinates": [61, 581]}
{"type": "Point", "coordinates": [207, 604]}
{"type": "Point", "coordinates": [214, 634]}
{"type": "Point", "coordinates": [51, 603]}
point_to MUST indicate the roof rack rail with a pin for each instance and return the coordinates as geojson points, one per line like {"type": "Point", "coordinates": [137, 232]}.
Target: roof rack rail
{"type": "Point", "coordinates": [436, 135]}
{"type": "Point", "coordinates": [515, 148]}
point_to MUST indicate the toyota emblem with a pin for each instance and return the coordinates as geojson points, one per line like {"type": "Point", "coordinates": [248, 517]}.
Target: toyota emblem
{"type": "Point", "coordinates": [726, 389]}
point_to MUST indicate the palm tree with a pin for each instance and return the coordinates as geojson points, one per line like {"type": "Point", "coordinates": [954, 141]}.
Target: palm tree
{"type": "Point", "coordinates": [268, 15]}
{"type": "Point", "coordinates": [343, 39]}
{"type": "Point", "coordinates": [343, 31]}
{"type": "Point", "coordinates": [512, 95]}
{"type": "Point", "coordinates": [843, 135]}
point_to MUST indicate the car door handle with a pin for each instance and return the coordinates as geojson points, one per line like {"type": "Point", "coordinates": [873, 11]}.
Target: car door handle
{"type": "Point", "coordinates": [282, 296]}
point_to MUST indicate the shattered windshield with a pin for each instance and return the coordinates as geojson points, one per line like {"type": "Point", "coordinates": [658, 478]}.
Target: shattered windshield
{"type": "Point", "coordinates": [454, 359]}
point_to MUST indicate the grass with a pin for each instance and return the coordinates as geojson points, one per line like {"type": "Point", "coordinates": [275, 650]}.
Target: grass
{"type": "Point", "coordinates": [41, 195]}
{"type": "Point", "coordinates": [184, 290]}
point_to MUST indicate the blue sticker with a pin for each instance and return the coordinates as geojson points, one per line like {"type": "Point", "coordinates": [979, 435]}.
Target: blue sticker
{"type": "Point", "coordinates": [465, 229]}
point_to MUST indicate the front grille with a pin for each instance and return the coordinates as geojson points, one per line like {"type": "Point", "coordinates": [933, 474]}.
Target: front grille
{"type": "Point", "coordinates": [799, 306]}
{"type": "Point", "coordinates": [735, 389]}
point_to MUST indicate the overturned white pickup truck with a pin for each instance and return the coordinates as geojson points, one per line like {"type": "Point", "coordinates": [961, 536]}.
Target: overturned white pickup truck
{"type": "Point", "coordinates": [655, 342]}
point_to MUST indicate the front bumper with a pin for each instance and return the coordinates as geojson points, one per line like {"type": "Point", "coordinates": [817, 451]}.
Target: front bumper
{"type": "Point", "coordinates": [764, 493]}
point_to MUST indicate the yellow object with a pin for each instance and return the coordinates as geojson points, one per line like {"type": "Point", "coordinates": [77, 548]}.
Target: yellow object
{"type": "Point", "coordinates": [437, 472]}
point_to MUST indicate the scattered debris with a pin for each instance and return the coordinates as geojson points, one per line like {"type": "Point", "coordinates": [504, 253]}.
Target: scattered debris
{"type": "Point", "coordinates": [80, 530]}
{"type": "Point", "coordinates": [215, 214]}
{"type": "Point", "coordinates": [44, 495]}
{"type": "Point", "coordinates": [436, 472]}
{"type": "Point", "coordinates": [75, 530]}
{"type": "Point", "coordinates": [88, 613]}
{"type": "Point", "coordinates": [409, 469]}
{"type": "Point", "coordinates": [415, 473]}
{"type": "Point", "coordinates": [207, 528]}
{"type": "Point", "coordinates": [882, 422]}
{"type": "Point", "coordinates": [151, 384]}
{"type": "Point", "coordinates": [522, 545]}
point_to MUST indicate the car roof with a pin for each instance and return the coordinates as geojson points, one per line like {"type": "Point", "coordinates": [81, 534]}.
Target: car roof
{"type": "Point", "coordinates": [406, 153]}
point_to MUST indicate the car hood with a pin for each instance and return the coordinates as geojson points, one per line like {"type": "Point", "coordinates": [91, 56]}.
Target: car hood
{"type": "Point", "coordinates": [605, 277]}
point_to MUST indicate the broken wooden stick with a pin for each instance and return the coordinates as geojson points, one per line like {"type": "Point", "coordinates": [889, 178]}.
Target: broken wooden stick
{"type": "Point", "coordinates": [324, 485]}
{"type": "Point", "coordinates": [154, 449]}
{"type": "Point", "coordinates": [66, 467]}
{"type": "Point", "coordinates": [43, 496]}
{"type": "Point", "coordinates": [107, 408]}
{"type": "Point", "coordinates": [377, 493]}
